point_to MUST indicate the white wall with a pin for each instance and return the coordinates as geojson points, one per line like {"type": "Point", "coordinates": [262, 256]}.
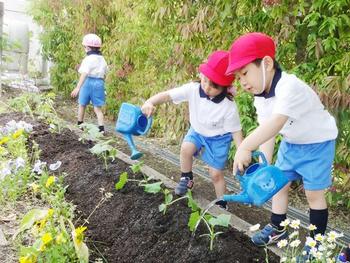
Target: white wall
{"type": "Point", "coordinates": [21, 28]}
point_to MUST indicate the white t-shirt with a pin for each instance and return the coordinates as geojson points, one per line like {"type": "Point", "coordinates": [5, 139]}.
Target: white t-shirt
{"type": "Point", "coordinates": [308, 121]}
{"type": "Point", "coordinates": [94, 66]}
{"type": "Point", "coordinates": [206, 117]}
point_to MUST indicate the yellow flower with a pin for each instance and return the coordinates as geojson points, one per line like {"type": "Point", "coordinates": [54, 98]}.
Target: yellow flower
{"type": "Point", "coordinates": [50, 181]}
{"type": "Point", "coordinates": [27, 259]}
{"type": "Point", "coordinates": [41, 224]}
{"type": "Point", "coordinates": [4, 140]}
{"type": "Point", "coordinates": [79, 234]}
{"type": "Point", "coordinates": [42, 247]}
{"type": "Point", "coordinates": [17, 133]}
{"type": "Point", "coordinates": [46, 238]}
{"type": "Point", "coordinates": [50, 212]}
{"type": "Point", "coordinates": [319, 237]}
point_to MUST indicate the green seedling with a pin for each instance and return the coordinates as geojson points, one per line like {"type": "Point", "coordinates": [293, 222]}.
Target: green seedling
{"type": "Point", "coordinates": [168, 200]}
{"type": "Point", "coordinates": [210, 221]}
{"type": "Point", "coordinates": [90, 132]}
{"type": "Point", "coordinates": [104, 150]}
{"type": "Point", "coordinates": [148, 187]}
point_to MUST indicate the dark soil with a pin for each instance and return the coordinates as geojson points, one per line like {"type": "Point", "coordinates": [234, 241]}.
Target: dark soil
{"type": "Point", "coordinates": [128, 227]}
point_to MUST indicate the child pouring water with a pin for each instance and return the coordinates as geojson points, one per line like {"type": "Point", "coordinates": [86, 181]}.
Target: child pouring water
{"type": "Point", "coordinates": [285, 105]}
{"type": "Point", "coordinates": [214, 122]}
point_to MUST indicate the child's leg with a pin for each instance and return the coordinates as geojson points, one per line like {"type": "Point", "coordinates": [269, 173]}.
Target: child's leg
{"type": "Point", "coordinates": [217, 177]}
{"type": "Point", "coordinates": [81, 113]}
{"type": "Point", "coordinates": [188, 149]}
{"type": "Point", "coordinates": [318, 210]}
{"type": "Point", "coordinates": [99, 115]}
{"type": "Point", "coordinates": [279, 207]}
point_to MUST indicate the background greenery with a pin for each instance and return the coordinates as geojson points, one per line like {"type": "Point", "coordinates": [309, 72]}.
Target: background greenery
{"type": "Point", "coordinates": [157, 44]}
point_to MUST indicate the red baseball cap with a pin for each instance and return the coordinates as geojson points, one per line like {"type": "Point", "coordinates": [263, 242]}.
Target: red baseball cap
{"type": "Point", "coordinates": [249, 47]}
{"type": "Point", "coordinates": [215, 68]}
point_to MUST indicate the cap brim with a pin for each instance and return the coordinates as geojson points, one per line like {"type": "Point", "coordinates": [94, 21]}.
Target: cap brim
{"type": "Point", "coordinates": [214, 77]}
{"type": "Point", "coordinates": [232, 67]}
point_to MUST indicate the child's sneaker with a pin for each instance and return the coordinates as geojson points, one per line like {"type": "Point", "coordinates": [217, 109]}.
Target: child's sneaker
{"type": "Point", "coordinates": [184, 184]}
{"type": "Point", "coordinates": [222, 204]}
{"type": "Point", "coordinates": [269, 235]}
{"type": "Point", "coordinates": [344, 256]}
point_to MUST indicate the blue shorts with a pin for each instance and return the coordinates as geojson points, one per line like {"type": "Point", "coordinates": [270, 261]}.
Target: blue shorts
{"type": "Point", "coordinates": [93, 90]}
{"type": "Point", "coordinates": [312, 163]}
{"type": "Point", "coordinates": [212, 150]}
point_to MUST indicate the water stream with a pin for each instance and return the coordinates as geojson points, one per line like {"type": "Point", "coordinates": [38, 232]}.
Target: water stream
{"type": "Point", "coordinates": [210, 205]}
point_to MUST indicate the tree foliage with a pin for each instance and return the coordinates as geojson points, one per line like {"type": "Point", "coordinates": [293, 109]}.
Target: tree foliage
{"type": "Point", "coordinates": [158, 44]}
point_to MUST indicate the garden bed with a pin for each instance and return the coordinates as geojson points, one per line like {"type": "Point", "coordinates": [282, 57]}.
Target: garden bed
{"type": "Point", "coordinates": [128, 227]}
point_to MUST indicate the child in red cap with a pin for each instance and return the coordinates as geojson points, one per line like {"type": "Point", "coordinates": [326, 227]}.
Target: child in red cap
{"type": "Point", "coordinates": [285, 105]}
{"type": "Point", "coordinates": [214, 121]}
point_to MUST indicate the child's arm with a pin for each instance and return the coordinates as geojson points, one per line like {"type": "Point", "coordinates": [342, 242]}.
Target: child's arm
{"type": "Point", "coordinates": [82, 78]}
{"type": "Point", "coordinates": [237, 138]}
{"type": "Point", "coordinates": [263, 133]}
{"type": "Point", "coordinates": [149, 106]}
{"type": "Point", "coordinates": [267, 149]}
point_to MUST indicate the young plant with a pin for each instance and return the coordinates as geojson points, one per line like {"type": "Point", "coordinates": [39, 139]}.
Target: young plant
{"type": "Point", "coordinates": [90, 132]}
{"type": "Point", "coordinates": [145, 182]}
{"type": "Point", "coordinates": [168, 200]}
{"type": "Point", "coordinates": [104, 150]}
{"type": "Point", "coordinates": [211, 222]}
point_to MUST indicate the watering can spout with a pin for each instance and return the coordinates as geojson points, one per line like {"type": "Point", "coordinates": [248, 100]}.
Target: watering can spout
{"type": "Point", "coordinates": [239, 198]}
{"type": "Point", "coordinates": [135, 154]}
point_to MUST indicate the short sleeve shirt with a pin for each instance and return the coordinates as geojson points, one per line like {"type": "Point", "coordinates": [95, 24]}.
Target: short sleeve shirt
{"type": "Point", "coordinates": [308, 122]}
{"type": "Point", "coordinates": [207, 117]}
{"type": "Point", "coordinates": [94, 66]}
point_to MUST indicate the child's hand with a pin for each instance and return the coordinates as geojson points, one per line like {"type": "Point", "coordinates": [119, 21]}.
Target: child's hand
{"type": "Point", "coordinates": [74, 93]}
{"type": "Point", "coordinates": [242, 159]}
{"type": "Point", "coordinates": [148, 108]}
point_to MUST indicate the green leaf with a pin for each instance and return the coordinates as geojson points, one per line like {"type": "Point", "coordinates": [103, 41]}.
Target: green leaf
{"type": "Point", "coordinates": [191, 203]}
{"type": "Point", "coordinates": [136, 167]}
{"type": "Point", "coordinates": [221, 220]}
{"type": "Point", "coordinates": [31, 217]}
{"type": "Point", "coordinates": [123, 178]}
{"type": "Point", "coordinates": [100, 148]}
{"type": "Point", "coordinates": [192, 222]}
{"type": "Point", "coordinates": [153, 188]}
{"type": "Point", "coordinates": [168, 198]}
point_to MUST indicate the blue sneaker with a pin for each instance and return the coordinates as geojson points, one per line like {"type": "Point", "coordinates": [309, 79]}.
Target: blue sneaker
{"type": "Point", "coordinates": [269, 235]}
{"type": "Point", "coordinates": [184, 184]}
{"type": "Point", "coordinates": [344, 256]}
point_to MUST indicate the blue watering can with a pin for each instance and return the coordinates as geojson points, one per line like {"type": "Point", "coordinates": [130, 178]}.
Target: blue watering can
{"type": "Point", "coordinates": [259, 183]}
{"type": "Point", "coordinates": [131, 121]}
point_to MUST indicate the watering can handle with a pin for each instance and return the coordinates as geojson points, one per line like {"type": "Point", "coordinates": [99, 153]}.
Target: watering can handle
{"type": "Point", "coordinates": [261, 155]}
{"type": "Point", "coordinates": [239, 175]}
{"type": "Point", "coordinates": [149, 124]}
